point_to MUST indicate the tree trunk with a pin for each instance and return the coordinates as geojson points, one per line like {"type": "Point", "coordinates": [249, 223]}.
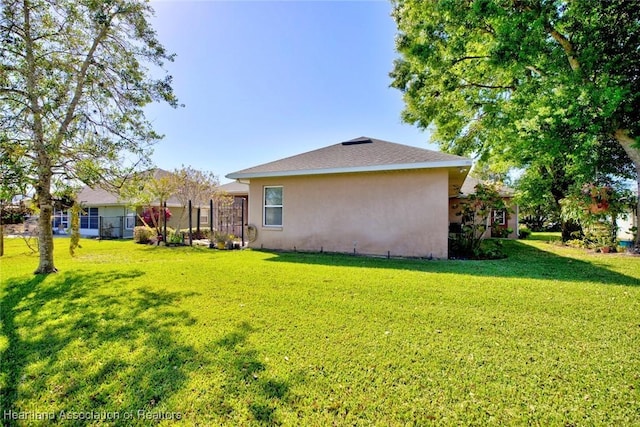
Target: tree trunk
{"type": "Point", "coordinates": [43, 161]}
{"type": "Point", "coordinates": [627, 142]}
{"type": "Point", "coordinates": [45, 232]}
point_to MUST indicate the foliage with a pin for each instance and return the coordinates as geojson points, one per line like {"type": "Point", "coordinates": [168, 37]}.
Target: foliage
{"type": "Point", "coordinates": [193, 185]}
{"type": "Point", "coordinates": [547, 86]}
{"type": "Point", "coordinates": [595, 207]}
{"type": "Point", "coordinates": [524, 232]}
{"type": "Point", "coordinates": [475, 212]}
{"type": "Point", "coordinates": [143, 234]}
{"type": "Point", "coordinates": [500, 231]}
{"type": "Point", "coordinates": [224, 240]}
{"type": "Point", "coordinates": [74, 84]}
{"type": "Point", "coordinates": [153, 216]}
{"type": "Point", "coordinates": [149, 190]}
{"type": "Point", "coordinates": [175, 237]}
{"type": "Point", "coordinates": [15, 214]}
{"type": "Point", "coordinates": [364, 341]}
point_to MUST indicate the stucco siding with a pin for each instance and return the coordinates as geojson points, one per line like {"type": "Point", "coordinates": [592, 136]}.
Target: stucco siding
{"type": "Point", "coordinates": [404, 213]}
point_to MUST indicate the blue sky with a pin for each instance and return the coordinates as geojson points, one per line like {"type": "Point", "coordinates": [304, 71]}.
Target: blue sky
{"type": "Point", "coordinates": [262, 80]}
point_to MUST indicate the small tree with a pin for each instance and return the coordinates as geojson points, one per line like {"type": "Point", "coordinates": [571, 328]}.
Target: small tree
{"type": "Point", "coordinates": [193, 185]}
{"type": "Point", "coordinates": [475, 212]}
{"type": "Point", "coordinates": [149, 191]}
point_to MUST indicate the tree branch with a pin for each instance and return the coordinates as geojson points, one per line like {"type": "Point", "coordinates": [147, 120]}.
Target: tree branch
{"type": "Point", "coordinates": [80, 82]}
{"type": "Point", "coordinates": [466, 58]}
{"type": "Point", "coordinates": [485, 86]}
{"type": "Point", "coordinates": [566, 45]}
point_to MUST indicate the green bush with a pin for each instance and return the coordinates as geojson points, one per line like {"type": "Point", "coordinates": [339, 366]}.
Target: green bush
{"type": "Point", "coordinates": [142, 234]}
{"type": "Point", "coordinates": [488, 249]}
{"type": "Point", "coordinates": [175, 237]}
{"type": "Point", "coordinates": [524, 232]}
{"type": "Point", "coordinates": [15, 214]}
{"type": "Point", "coordinates": [204, 233]}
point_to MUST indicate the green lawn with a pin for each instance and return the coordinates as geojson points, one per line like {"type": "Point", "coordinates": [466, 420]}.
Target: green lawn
{"type": "Point", "coordinates": [549, 336]}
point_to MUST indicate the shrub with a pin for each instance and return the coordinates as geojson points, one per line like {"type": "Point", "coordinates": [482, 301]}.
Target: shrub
{"type": "Point", "coordinates": [142, 234]}
{"type": "Point", "coordinates": [175, 237]}
{"type": "Point", "coordinates": [487, 249]}
{"type": "Point", "coordinates": [204, 233]}
{"type": "Point", "coordinates": [524, 232]}
{"type": "Point", "coordinates": [491, 249]}
{"type": "Point", "coordinates": [15, 214]}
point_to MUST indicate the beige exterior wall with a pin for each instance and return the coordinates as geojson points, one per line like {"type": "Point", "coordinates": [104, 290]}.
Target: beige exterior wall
{"type": "Point", "coordinates": [404, 213]}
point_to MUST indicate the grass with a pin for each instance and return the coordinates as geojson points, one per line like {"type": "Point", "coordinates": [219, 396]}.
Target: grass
{"type": "Point", "coordinates": [128, 334]}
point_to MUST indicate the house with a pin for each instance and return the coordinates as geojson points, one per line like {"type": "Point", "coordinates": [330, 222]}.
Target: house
{"type": "Point", "coordinates": [502, 222]}
{"type": "Point", "coordinates": [106, 215]}
{"type": "Point", "coordinates": [364, 195]}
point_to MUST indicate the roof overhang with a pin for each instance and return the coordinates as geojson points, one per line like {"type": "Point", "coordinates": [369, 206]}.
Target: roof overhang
{"type": "Point", "coordinates": [356, 169]}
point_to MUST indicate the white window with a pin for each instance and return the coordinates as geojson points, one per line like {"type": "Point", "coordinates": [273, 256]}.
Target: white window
{"type": "Point", "coordinates": [272, 215]}
{"type": "Point", "coordinates": [204, 216]}
{"type": "Point", "coordinates": [499, 217]}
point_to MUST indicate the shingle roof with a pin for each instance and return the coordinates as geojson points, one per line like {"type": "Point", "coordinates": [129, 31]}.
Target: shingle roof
{"type": "Point", "coordinates": [234, 187]}
{"type": "Point", "coordinates": [357, 155]}
{"type": "Point", "coordinates": [99, 196]}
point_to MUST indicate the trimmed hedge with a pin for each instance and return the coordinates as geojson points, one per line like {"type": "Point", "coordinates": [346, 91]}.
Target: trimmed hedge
{"type": "Point", "coordinates": [142, 234]}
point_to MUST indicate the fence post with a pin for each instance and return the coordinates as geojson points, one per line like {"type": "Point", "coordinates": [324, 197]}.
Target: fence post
{"type": "Point", "coordinates": [210, 223]}
{"type": "Point", "coordinates": [198, 220]}
{"type": "Point", "coordinates": [190, 225]}
{"type": "Point", "coordinates": [242, 219]}
{"type": "Point", "coordinates": [164, 223]}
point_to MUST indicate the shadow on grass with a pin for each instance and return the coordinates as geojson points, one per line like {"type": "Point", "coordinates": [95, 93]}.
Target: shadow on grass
{"type": "Point", "coordinates": [524, 261]}
{"type": "Point", "coordinates": [248, 385]}
{"type": "Point", "coordinates": [83, 342]}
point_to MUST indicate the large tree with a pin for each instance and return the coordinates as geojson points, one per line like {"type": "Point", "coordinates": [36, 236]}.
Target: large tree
{"type": "Point", "coordinates": [523, 79]}
{"type": "Point", "coordinates": [74, 78]}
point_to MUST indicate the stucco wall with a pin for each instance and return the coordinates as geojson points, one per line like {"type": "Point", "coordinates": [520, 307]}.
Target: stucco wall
{"type": "Point", "coordinates": [404, 213]}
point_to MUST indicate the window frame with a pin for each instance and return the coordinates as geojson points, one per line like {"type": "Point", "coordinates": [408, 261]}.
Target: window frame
{"type": "Point", "coordinates": [130, 220]}
{"type": "Point", "coordinates": [86, 215]}
{"type": "Point", "coordinates": [499, 214]}
{"type": "Point", "coordinates": [265, 206]}
{"type": "Point", "coordinates": [60, 217]}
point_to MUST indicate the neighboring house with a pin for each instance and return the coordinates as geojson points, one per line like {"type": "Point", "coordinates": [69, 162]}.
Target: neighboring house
{"type": "Point", "coordinates": [503, 219]}
{"type": "Point", "coordinates": [106, 215]}
{"type": "Point", "coordinates": [364, 195]}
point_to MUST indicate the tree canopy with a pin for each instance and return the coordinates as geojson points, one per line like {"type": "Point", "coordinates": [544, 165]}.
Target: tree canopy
{"type": "Point", "coordinates": [546, 84]}
{"type": "Point", "coordinates": [74, 78]}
